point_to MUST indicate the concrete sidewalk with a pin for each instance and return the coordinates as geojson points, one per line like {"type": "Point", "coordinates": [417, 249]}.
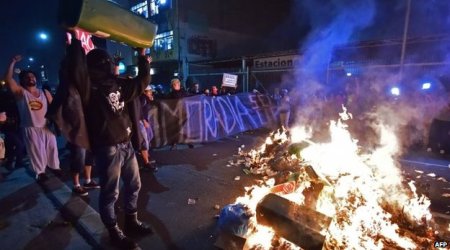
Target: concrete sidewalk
{"type": "Point", "coordinates": [33, 216]}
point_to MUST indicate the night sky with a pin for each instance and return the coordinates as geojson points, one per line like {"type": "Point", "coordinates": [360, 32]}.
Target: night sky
{"type": "Point", "coordinates": [309, 25]}
{"type": "Point", "coordinates": [21, 21]}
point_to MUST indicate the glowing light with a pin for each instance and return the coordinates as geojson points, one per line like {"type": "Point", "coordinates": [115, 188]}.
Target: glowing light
{"type": "Point", "coordinates": [121, 67]}
{"type": "Point", "coordinates": [395, 91]}
{"type": "Point", "coordinates": [31, 59]}
{"type": "Point", "coordinates": [152, 71]}
{"type": "Point", "coordinates": [426, 85]}
{"type": "Point", "coordinates": [43, 36]}
{"type": "Point", "coordinates": [349, 74]}
{"type": "Point", "coordinates": [162, 2]}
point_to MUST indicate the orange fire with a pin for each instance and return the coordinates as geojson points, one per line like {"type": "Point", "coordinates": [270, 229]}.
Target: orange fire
{"type": "Point", "coordinates": [368, 200]}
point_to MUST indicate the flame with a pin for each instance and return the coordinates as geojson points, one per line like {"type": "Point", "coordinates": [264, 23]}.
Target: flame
{"type": "Point", "coordinates": [365, 194]}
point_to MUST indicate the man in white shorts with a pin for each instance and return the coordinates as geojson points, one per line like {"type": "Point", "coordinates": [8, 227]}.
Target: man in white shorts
{"type": "Point", "coordinates": [32, 104]}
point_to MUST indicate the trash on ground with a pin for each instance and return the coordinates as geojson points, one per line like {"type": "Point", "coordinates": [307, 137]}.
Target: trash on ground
{"type": "Point", "coordinates": [234, 218]}
{"type": "Point", "coordinates": [237, 178]}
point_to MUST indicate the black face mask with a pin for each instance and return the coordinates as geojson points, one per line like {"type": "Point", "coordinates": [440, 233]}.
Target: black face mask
{"type": "Point", "coordinates": [99, 63]}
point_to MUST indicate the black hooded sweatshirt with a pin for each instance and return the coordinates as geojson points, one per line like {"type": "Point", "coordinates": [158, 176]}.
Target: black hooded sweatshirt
{"type": "Point", "coordinates": [107, 114]}
{"type": "Point", "coordinates": [107, 118]}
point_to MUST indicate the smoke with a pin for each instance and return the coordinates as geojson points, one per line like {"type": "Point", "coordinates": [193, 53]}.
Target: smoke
{"type": "Point", "coordinates": [319, 94]}
{"type": "Point", "coordinates": [333, 24]}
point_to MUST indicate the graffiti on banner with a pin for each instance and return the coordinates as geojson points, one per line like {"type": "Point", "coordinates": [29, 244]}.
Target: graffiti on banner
{"type": "Point", "coordinates": [199, 119]}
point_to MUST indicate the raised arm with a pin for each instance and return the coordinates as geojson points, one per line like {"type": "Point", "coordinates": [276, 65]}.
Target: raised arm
{"type": "Point", "coordinates": [132, 88]}
{"type": "Point", "coordinates": [15, 88]}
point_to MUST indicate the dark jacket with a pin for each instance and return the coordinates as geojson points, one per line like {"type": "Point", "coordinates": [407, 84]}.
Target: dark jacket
{"type": "Point", "coordinates": [108, 111]}
{"type": "Point", "coordinates": [67, 110]}
{"type": "Point", "coordinates": [134, 109]}
{"type": "Point", "coordinates": [8, 105]}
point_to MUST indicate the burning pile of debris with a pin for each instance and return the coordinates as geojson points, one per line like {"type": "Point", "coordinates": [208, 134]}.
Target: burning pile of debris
{"type": "Point", "coordinates": [331, 196]}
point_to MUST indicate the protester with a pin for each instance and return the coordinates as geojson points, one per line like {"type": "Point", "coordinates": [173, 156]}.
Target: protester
{"type": "Point", "coordinates": [176, 91]}
{"type": "Point", "coordinates": [32, 104]}
{"type": "Point", "coordinates": [284, 109]}
{"type": "Point", "coordinates": [227, 90]}
{"type": "Point", "coordinates": [14, 145]}
{"type": "Point", "coordinates": [109, 129]}
{"type": "Point", "coordinates": [195, 89]}
{"type": "Point", "coordinates": [145, 129]}
{"type": "Point", "coordinates": [66, 111]}
{"type": "Point", "coordinates": [81, 160]}
{"type": "Point", "coordinates": [214, 91]}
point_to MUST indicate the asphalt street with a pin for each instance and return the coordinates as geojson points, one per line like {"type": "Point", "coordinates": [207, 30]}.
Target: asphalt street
{"type": "Point", "coordinates": [179, 201]}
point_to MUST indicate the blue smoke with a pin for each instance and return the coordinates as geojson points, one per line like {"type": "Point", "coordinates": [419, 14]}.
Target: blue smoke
{"type": "Point", "coordinates": [333, 23]}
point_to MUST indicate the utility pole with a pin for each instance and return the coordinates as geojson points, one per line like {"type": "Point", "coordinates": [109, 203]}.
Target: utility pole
{"type": "Point", "coordinates": [405, 37]}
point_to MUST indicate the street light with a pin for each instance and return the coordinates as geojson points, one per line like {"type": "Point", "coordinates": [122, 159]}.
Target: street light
{"type": "Point", "coordinates": [43, 36]}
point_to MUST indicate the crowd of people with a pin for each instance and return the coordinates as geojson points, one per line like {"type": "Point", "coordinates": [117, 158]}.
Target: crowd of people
{"type": "Point", "coordinates": [105, 121]}
{"type": "Point", "coordinates": [103, 117]}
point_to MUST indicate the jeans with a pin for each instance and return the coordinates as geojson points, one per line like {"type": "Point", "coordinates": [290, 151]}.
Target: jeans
{"type": "Point", "coordinates": [79, 157]}
{"type": "Point", "coordinates": [115, 163]}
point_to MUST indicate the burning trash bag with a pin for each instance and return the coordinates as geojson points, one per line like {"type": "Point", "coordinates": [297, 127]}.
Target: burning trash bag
{"type": "Point", "coordinates": [234, 219]}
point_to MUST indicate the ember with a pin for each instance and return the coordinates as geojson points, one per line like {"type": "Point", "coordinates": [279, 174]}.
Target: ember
{"type": "Point", "coordinates": [368, 203]}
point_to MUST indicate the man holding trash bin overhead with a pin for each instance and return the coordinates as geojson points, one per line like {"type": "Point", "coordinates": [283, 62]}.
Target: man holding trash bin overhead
{"type": "Point", "coordinates": [107, 119]}
{"type": "Point", "coordinates": [109, 129]}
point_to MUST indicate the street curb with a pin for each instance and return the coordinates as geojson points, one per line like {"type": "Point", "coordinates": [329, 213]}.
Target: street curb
{"type": "Point", "coordinates": [86, 220]}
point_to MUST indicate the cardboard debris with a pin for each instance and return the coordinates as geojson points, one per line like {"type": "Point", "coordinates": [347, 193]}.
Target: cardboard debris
{"type": "Point", "coordinates": [442, 179]}
{"type": "Point", "coordinates": [296, 223]}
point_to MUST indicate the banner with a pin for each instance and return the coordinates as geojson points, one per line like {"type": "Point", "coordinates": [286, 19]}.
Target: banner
{"type": "Point", "coordinates": [200, 118]}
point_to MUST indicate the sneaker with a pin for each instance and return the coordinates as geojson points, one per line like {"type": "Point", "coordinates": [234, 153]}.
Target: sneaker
{"type": "Point", "coordinates": [151, 167]}
{"type": "Point", "coordinates": [91, 185]}
{"type": "Point", "coordinates": [41, 177]}
{"type": "Point", "coordinates": [79, 190]}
